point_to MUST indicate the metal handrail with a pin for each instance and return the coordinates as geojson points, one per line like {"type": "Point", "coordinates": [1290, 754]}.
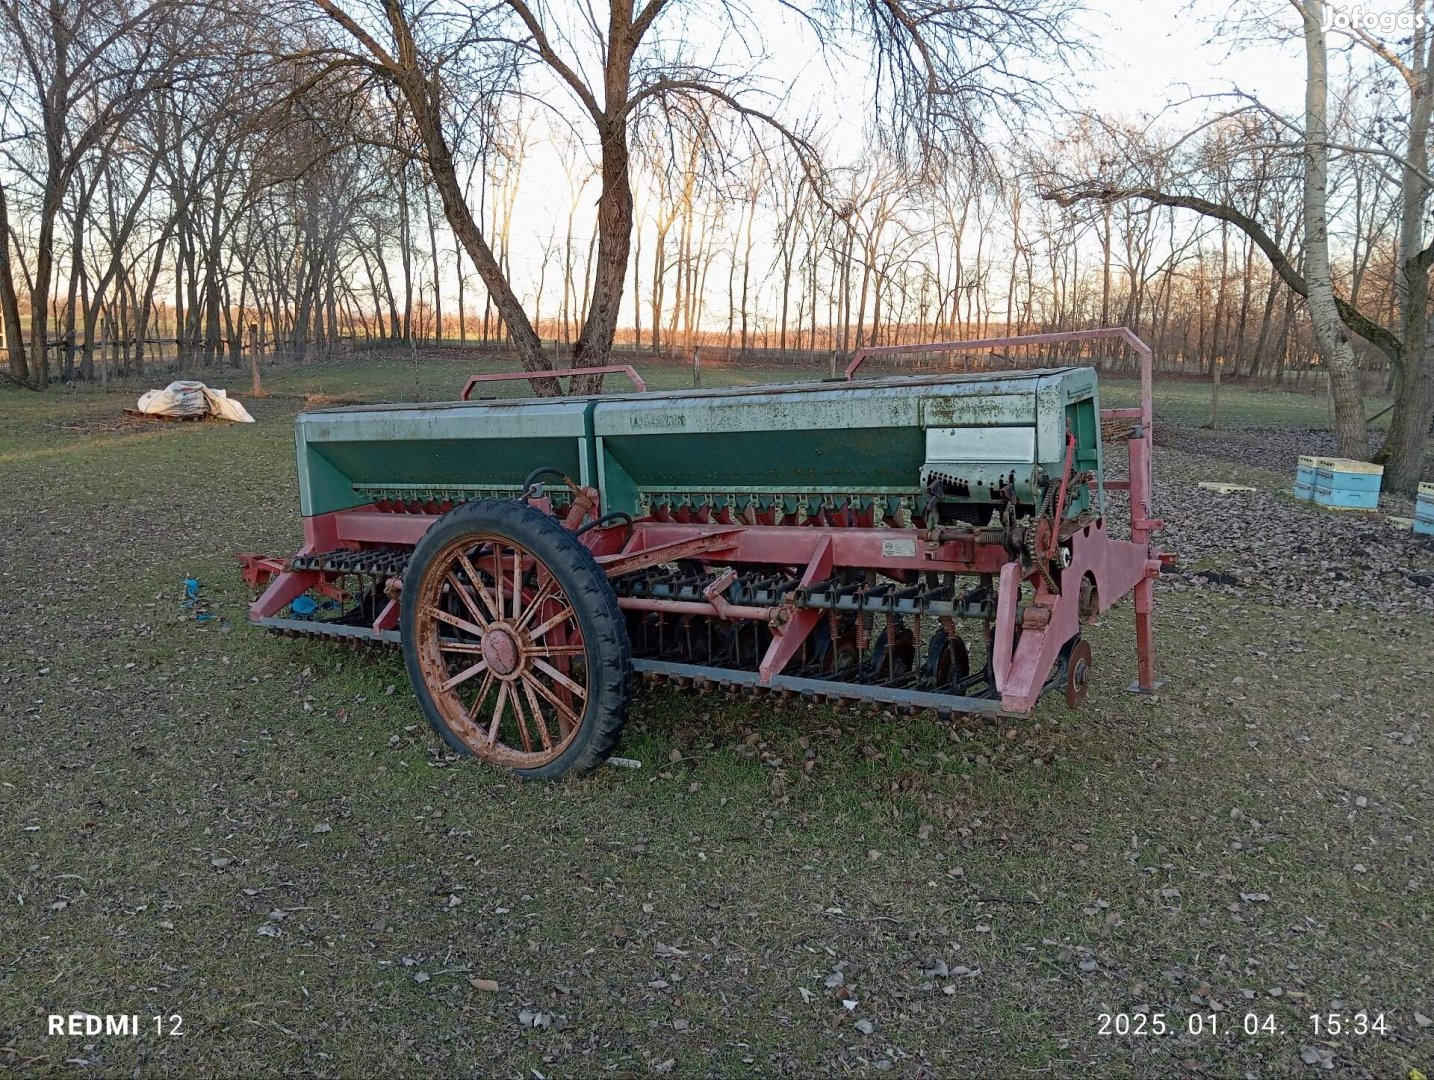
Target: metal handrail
{"type": "Point", "coordinates": [1122, 333]}
{"type": "Point", "coordinates": [610, 369]}
{"type": "Point", "coordinates": [1141, 482]}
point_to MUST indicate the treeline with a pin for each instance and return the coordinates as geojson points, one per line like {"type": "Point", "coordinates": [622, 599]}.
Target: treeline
{"type": "Point", "coordinates": [301, 174]}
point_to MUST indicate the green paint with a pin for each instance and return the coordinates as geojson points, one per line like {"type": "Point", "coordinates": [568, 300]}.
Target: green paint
{"type": "Point", "coordinates": [865, 438]}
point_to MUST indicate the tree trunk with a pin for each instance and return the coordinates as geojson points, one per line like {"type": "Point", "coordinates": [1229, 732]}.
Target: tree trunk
{"type": "Point", "coordinates": [1413, 371]}
{"type": "Point", "coordinates": [78, 277]}
{"type": "Point", "coordinates": [462, 308]}
{"type": "Point", "coordinates": [10, 303]}
{"type": "Point", "coordinates": [40, 293]}
{"type": "Point", "coordinates": [460, 219]}
{"type": "Point", "coordinates": [637, 288]}
{"type": "Point", "coordinates": [405, 253]}
{"type": "Point", "coordinates": [1329, 329]}
{"type": "Point", "coordinates": [437, 272]}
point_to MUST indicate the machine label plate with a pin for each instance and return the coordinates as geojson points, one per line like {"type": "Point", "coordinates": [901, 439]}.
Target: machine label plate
{"type": "Point", "coordinates": [898, 549]}
{"type": "Point", "coordinates": [984, 445]}
{"type": "Point", "coordinates": [657, 421]}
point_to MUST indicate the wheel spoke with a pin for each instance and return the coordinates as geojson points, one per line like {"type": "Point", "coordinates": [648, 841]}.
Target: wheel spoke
{"type": "Point", "coordinates": [537, 714]}
{"type": "Point", "coordinates": [482, 590]}
{"type": "Point", "coordinates": [544, 591]}
{"type": "Point", "coordinates": [448, 645]}
{"type": "Point", "coordinates": [517, 703]}
{"type": "Point", "coordinates": [567, 719]}
{"type": "Point", "coordinates": [538, 632]}
{"type": "Point", "coordinates": [466, 674]}
{"type": "Point", "coordinates": [468, 601]}
{"type": "Point", "coordinates": [482, 696]}
{"type": "Point", "coordinates": [558, 677]}
{"type": "Point", "coordinates": [433, 612]}
{"type": "Point", "coordinates": [498, 713]}
{"type": "Point", "coordinates": [558, 650]}
{"type": "Point", "coordinates": [517, 582]}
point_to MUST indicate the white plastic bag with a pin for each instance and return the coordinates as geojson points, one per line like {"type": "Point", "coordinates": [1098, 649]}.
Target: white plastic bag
{"type": "Point", "coordinates": [226, 408]}
{"type": "Point", "coordinates": [176, 399]}
{"type": "Point", "coordinates": [184, 398]}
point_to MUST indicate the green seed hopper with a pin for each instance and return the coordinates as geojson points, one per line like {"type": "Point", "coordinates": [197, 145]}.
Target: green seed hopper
{"type": "Point", "coordinates": [893, 444]}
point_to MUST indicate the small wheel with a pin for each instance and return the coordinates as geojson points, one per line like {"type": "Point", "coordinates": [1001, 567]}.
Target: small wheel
{"type": "Point", "coordinates": [947, 659]}
{"type": "Point", "coordinates": [514, 642]}
{"type": "Point", "coordinates": [1078, 664]}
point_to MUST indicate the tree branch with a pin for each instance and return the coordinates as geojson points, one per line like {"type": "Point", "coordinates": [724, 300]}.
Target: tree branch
{"type": "Point", "coordinates": [554, 61]}
{"type": "Point", "coordinates": [1381, 338]}
{"type": "Point", "coordinates": [359, 34]}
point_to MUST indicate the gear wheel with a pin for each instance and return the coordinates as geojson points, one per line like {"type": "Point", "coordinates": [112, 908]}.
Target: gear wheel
{"type": "Point", "coordinates": [1037, 540]}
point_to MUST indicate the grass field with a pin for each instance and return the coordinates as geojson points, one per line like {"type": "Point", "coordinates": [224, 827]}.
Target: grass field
{"type": "Point", "coordinates": [261, 836]}
{"type": "Point", "coordinates": [433, 374]}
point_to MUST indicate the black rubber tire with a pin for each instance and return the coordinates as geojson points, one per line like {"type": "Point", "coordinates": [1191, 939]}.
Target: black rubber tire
{"type": "Point", "coordinates": [593, 601]}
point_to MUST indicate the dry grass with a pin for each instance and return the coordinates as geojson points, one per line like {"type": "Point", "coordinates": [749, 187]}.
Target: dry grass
{"type": "Point", "coordinates": [982, 894]}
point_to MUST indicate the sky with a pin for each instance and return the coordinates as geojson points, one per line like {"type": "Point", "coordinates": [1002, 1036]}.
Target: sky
{"type": "Point", "coordinates": [1150, 57]}
{"type": "Point", "coordinates": [1160, 51]}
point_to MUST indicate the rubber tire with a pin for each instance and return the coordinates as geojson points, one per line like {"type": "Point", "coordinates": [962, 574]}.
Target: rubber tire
{"type": "Point", "coordinates": [602, 622]}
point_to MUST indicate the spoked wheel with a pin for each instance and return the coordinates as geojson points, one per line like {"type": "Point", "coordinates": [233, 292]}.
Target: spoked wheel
{"type": "Point", "coordinates": [514, 642]}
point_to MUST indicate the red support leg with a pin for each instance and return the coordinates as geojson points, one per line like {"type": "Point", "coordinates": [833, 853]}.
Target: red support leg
{"type": "Point", "coordinates": [281, 591]}
{"type": "Point", "coordinates": [787, 640]}
{"type": "Point", "coordinates": [1145, 635]}
{"type": "Point", "coordinates": [1144, 596]}
{"type": "Point", "coordinates": [1009, 595]}
{"type": "Point", "coordinates": [387, 618]}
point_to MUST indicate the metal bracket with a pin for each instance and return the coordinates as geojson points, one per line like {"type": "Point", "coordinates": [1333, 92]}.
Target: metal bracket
{"type": "Point", "coordinates": [1136, 688]}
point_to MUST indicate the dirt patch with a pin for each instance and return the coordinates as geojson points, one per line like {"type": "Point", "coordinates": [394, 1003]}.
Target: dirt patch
{"type": "Point", "coordinates": [123, 423]}
{"type": "Point", "coordinates": [1276, 449]}
{"type": "Point", "coordinates": [1292, 553]}
{"type": "Point", "coordinates": [1266, 543]}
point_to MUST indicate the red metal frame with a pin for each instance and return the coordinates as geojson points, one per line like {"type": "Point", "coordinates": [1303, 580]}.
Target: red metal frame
{"type": "Point", "coordinates": [532, 376]}
{"type": "Point", "coordinates": [1047, 618]}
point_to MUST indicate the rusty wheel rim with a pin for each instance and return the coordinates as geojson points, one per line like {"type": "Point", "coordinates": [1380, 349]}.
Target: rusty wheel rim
{"type": "Point", "coordinates": [1078, 674]}
{"type": "Point", "coordinates": [502, 651]}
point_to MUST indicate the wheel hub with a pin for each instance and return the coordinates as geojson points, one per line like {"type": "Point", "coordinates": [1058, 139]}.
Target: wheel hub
{"type": "Point", "coordinates": [501, 650]}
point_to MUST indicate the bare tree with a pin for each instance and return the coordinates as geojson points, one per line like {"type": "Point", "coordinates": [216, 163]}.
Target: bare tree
{"type": "Point", "coordinates": [1329, 328]}
{"type": "Point", "coordinates": [85, 71]}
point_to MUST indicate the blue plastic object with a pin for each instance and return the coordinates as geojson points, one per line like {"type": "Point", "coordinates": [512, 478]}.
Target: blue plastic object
{"type": "Point", "coordinates": [194, 603]}
{"type": "Point", "coordinates": [1305, 477]}
{"type": "Point", "coordinates": [1424, 511]}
